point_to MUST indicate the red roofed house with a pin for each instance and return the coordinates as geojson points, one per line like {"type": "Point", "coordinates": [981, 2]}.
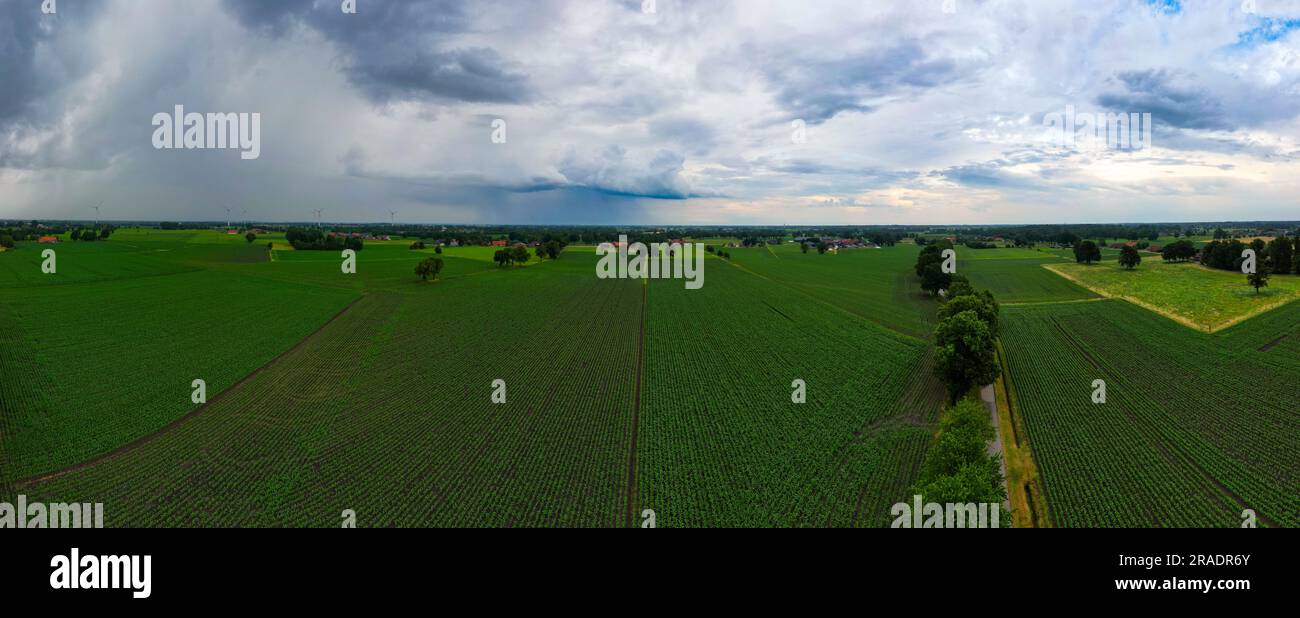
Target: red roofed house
{"type": "Point", "coordinates": [49, 239]}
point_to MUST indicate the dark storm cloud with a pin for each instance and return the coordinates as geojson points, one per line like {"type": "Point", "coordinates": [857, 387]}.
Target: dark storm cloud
{"type": "Point", "coordinates": [1170, 104]}
{"type": "Point", "coordinates": [816, 89]}
{"type": "Point", "coordinates": [689, 134]}
{"type": "Point", "coordinates": [613, 172]}
{"type": "Point", "coordinates": [19, 33]}
{"type": "Point", "coordinates": [396, 51]}
{"type": "Point", "coordinates": [25, 75]}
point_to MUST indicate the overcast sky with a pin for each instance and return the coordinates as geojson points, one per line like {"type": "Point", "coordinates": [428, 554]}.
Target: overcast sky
{"type": "Point", "coordinates": [672, 111]}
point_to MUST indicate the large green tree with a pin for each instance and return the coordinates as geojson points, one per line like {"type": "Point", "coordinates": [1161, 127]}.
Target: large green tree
{"type": "Point", "coordinates": [965, 354]}
{"type": "Point", "coordinates": [1129, 257]}
{"type": "Point", "coordinates": [931, 254]}
{"type": "Point", "coordinates": [429, 267]}
{"type": "Point", "coordinates": [934, 279]}
{"type": "Point", "coordinates": [971, 302]}
{"type": "Point", "coordinates": [520, 254]}
{"type": "Point", "coordinates": [1087, 252]}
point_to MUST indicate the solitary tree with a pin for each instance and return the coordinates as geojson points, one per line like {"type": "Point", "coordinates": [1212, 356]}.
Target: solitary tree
{"type": "Point", "coordinates": [429, 267]}
{"type": "Point", "coordinates": [1087, 252]}
{"type": "Point", "coordinates": [553, 249]}
{"type": "Point", "coordinates": [1258, 279]}
{"type": "Point", "coordinates": [1129, 257]}
{"type": "Point", "coordinates": [438, 249]}
{"type": "Point", "coordinates": [520, 254]}
{"type": "Point", "coordinates": [502, 257]}
{"type": "Point", "coordinates": [964, 356]}
{"type": "Point", "coordinates": [7, 241]}
{"type": "Point", "coordinates": [250, 237]}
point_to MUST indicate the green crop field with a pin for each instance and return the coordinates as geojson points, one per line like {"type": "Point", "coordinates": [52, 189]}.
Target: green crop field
{"type": "Point", "coordinates": [1199, 297]}
{"type": "Point", "coordinates": [621, 396]}
{"type": "Point", "coordinates": [721, 444]}
{"type": "Point", "coordinates": [874, 284]}
{"type": "Point", "coordinates": [110, 354]}
{"type": "Point", "coordinates": [1019, 277]}
{"type": "Point", "coordinates": [1195, 427]}
{"type": "Point", "coordinates": [372, 391]}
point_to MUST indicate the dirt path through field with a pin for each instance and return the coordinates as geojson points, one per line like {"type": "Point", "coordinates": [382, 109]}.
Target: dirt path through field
{"type": "Point", "coordinates": [169, 427]}
{"type": "Point", "coordinates": [989, 396]}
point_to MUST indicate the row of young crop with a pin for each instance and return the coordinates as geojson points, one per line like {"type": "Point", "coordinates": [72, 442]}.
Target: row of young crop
{"type": "Point", "coordinates": [872, 284]}
{"type": "Point", "coordinates": [1217, 408]}
{"type": "Point", "coordinates": [111, 362]}
{"type": "Point", "coordinates": [1180, 439]}
{"type": "Point", "coordinates": [388, 412]}
{"type": "Point", "coordinates": [721, 440]}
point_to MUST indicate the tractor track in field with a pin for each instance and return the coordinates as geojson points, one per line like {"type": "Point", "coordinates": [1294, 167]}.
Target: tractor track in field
{"type": "Point", "coordinates": [1270, 345]}
{"type": "Point", "coordinates": [636, 409]}
{"type": "Point", "coordinates": [172, 426]}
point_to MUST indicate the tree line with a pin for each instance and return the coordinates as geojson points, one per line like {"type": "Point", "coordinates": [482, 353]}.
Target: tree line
{"type": "Point", "coordinates": [957, 466]}
{"type": "Point", "coordinates": [306, 239]}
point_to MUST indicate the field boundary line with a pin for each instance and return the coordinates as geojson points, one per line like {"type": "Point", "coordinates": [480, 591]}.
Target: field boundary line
{"type": "Point", "coordinates": [173, 425]}
{"type": "Point", "coordinates": [1053, 302]}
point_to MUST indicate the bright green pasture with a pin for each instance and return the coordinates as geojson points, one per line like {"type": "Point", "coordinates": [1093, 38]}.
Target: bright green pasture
{"type": "Point", "coordinates": [1203, 298]}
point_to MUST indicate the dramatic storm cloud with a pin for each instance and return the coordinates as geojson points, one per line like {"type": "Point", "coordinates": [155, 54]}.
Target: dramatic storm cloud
{"type": "Point", "coordinates": [673, 111]}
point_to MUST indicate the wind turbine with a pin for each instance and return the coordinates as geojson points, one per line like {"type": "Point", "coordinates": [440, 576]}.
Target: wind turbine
{"type": "Point", "coordinates": [227, 217]}
{"type": "Point", "coordinates": [244, 214]}
{"type": "Point", "coordinates": [97, 213]}
{"type": "Point", "coordinates": [392, 218]}
{"type": "Point", "coordinates": [318, 213]}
